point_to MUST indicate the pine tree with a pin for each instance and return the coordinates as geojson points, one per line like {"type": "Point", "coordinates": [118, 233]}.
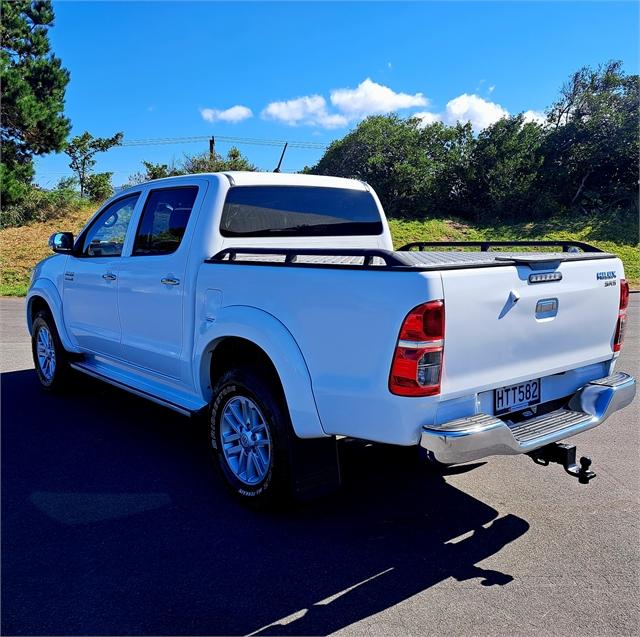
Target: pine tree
{"type": "Point", "coordinates": [33, 90]}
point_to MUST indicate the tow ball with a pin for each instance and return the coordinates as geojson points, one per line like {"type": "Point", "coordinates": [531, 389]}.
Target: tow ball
{"type": "Point", "coordinates": [565, 455]}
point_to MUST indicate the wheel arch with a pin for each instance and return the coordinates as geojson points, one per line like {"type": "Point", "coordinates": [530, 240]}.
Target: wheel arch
{"type": "Point", "coordinates": [44, 296]}
{"type": "Point", "coordinates": [247, 331]}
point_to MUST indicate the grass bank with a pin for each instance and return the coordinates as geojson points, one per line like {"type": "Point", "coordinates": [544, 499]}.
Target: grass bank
{"type": "Point", "coordinates": [21, 248]}
{"type": "Point", "coordinates": [620, 238]}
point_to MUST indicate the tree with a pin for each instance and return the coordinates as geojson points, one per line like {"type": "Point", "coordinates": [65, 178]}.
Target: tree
{"type": "Point", "coordinates": [33, 91]}
{"type": "Point", "coordinates": [192, 164]}
{"type": "Point", "coordinates": [504, 180]}
{"type": "Point", "coordinates": [444, 184]}
{"type": "Point", "coordinates": [384, 151]}
{"type": "Point", "coordinates": [99, 186]}
{"type": "Point", "coordinates": [205, 163]}
{"type": "Point", "coordinates": [413, 168]}
{"type": "Point", "coordinates": [82, 150]}
{"type": "Point", "coordinates": [592, 147]}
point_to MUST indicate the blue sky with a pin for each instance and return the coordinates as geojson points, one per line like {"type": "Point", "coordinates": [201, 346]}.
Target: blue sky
{"type": "Point", "coordinates": [310, 71]}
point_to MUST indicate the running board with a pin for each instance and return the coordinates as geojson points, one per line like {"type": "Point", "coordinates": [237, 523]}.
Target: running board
{"type": "Point", "coordinates": [132, 390]}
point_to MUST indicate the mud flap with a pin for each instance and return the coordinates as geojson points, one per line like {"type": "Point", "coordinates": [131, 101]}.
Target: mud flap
{"type": "Point", "coordinates": [315, 467]}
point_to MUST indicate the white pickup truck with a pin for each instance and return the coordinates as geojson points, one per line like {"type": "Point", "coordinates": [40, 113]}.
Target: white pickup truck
{"type": "Point", "coordinates": [276, 305]}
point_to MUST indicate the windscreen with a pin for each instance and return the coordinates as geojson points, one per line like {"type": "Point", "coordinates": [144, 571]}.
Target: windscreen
{"type": "Point", "coordinates": [290, 211]}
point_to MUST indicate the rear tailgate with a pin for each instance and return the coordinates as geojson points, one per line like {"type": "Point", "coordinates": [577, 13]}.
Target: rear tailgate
{"type": "Point", "coordinates": [502, 329]}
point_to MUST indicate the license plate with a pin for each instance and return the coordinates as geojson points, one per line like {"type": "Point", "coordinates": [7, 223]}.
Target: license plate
{"type": "Point", "coordinates": [517, 396]}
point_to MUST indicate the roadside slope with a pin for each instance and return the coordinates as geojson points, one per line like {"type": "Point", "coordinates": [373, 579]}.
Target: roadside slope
{"type": "Point", "coordinates": [615, 237]}
{"type": "Point", "coordinates": [22, 247]}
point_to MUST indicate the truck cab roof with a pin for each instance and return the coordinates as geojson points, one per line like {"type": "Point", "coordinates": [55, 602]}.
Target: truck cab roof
{"type": "Point", "coordinates": [252, 178]}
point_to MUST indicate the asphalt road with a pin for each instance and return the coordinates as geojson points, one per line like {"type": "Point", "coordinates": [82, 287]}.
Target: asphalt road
{"type": "Point", "coordinates": [115, 522]}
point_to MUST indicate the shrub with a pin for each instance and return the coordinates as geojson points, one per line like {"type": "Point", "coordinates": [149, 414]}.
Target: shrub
{"type": "Point", "coordinates": [40, 205]}
{"type": "Point", "coordinates": [98, 186]}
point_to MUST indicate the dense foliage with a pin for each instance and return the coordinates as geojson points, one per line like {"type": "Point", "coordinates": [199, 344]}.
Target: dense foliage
{"type": "Point", "coordinates": [584, 158]}
{"type": "Point", "coordinates": [33, 91]}
{"type": "Point", "coordinates": [41, 205]}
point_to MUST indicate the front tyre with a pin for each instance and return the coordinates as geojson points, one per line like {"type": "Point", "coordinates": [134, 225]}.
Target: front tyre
{"type": "Point", "coordinates": [50, 359]}
{"type": "Point", "coordinates": [250, 433]}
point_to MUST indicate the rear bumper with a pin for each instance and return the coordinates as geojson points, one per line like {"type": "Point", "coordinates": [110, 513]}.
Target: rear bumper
{"type": "Point", "coordinates": [483, 435]}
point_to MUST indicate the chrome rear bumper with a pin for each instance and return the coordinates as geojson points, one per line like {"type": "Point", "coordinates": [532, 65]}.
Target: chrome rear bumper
{"type": "Point", "coordinates": [483, 435]}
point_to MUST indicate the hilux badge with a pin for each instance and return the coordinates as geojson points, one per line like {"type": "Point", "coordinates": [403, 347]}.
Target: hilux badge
{"type": "Point", "coordinates": [604, 276]}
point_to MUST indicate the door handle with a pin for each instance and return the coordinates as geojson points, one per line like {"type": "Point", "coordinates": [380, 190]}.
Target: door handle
{"type": "Point", "coordinates": [109, 277]}
{"type": "Point", "coordinates": [170, 281]}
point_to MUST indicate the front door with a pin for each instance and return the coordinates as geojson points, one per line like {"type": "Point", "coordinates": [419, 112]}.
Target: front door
{"type": "Point", "coordinates": [152, 281]}
{"type": "Point", "coordinates": [91, 280]}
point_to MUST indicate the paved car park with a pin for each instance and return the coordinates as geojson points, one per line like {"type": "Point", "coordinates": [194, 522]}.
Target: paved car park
{"type": "Point", "coordinates": [115, 522]}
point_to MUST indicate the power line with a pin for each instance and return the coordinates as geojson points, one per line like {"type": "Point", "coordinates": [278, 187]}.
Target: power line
{"type": "Point", "coordinates": [157, 141]}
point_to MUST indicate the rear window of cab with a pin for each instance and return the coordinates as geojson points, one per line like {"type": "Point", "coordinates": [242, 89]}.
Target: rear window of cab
{"type": "Point", "coordinates": [299, 211]}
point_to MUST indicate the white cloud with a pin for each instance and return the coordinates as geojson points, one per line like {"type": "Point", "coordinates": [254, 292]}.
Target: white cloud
{"type": "Point", "coordinates": [368, 98]}
{"type": "Point", "coordinates": [466, 108]}
{"type": "Point", "coordinates": [473, 108]}
{"type": "Point", "coordinates": [371, 98]}
{"type": "Point", "coordinates": [534, 116]}
{"type": "Point", "coordinates": [310, 110]}
{"type": "Point", "coordinates": [427, 118]}
{"type": "Point", "coordinates": [491, 89]}
{"type": "Point", "coordinates": [234, 114]}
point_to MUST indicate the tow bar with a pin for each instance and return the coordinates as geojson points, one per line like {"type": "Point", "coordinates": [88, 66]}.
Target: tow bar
{"type": "Point", "coordinates": [565, 455]}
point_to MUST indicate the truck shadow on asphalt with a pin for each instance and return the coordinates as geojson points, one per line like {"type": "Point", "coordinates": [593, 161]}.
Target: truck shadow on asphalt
{"type": "Point", "coordinates": [114, 521]}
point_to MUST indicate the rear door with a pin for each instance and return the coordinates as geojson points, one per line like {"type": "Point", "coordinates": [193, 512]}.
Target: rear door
{"type": "Point", "coordinates": [152, 280]}
{"type": "Point", "coordinates": [501, 328]}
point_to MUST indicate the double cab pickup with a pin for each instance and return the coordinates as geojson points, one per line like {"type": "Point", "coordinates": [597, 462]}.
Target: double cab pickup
{"type": "Point", "coordinates": [276, 306]}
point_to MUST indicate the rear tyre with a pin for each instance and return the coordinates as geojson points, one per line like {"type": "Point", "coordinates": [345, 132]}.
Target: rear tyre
{"type": "Point", "coordinates": [251, 434]}
{"type": "Point", "coordinates": [50, 359]}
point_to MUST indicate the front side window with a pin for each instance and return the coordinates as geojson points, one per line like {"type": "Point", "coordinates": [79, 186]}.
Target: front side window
{"type": "Point", "coordinates": [307, 211]}
{"type": "Point", "coordinates": [105, 237]}
{"type": "Point", "coordinates": [164, 220]}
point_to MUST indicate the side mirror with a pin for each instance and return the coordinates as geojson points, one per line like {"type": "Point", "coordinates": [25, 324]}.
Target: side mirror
{"type": "Point", "coordinates": [61, 242]}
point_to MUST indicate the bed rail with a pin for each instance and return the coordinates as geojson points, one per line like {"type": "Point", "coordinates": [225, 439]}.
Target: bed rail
{"type": "Point", "coordinates": [390, 259]}
{"type": "Point", "coordinates": [485, 246]}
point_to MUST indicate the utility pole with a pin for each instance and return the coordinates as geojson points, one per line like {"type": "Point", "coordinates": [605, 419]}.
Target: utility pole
{"type": "Point", "coordinates": [212, 148]}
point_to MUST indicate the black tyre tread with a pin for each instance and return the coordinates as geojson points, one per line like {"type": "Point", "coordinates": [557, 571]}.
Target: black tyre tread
{"type": "Point", "coordinates": [275, 490]}
{"type": "Point", "coordinates": [60, 380]}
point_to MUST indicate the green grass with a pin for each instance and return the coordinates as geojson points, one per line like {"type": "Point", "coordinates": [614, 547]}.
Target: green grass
{"type": "Point", "coordinates": [21, 248]}
{"type": "Point", "coordinates": [615, 236]}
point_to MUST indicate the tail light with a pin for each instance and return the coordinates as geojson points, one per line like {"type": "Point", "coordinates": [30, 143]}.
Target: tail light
{"type": "Point", "coordinates": [618, 337]}
{"type": "Point", "coordinates": [417, 362]}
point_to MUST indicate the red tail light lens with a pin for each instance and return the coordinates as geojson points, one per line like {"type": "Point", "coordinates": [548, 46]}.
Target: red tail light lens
{"type": "Point", "coordinates": [417, 363]}
{"type": "Point", "coordinates": [624, 294]}
{"type": "Point", "coordinates": [618, 337]}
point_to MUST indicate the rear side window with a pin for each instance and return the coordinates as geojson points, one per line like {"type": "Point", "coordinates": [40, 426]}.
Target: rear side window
{"type": "Point", "coordinates": [164, 220]}
{"type": "Point", "coordinates": [291, 211]}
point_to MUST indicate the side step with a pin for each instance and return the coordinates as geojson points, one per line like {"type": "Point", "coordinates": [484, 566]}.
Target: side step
{"type": "Point", "coordinates": [118, 379]}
